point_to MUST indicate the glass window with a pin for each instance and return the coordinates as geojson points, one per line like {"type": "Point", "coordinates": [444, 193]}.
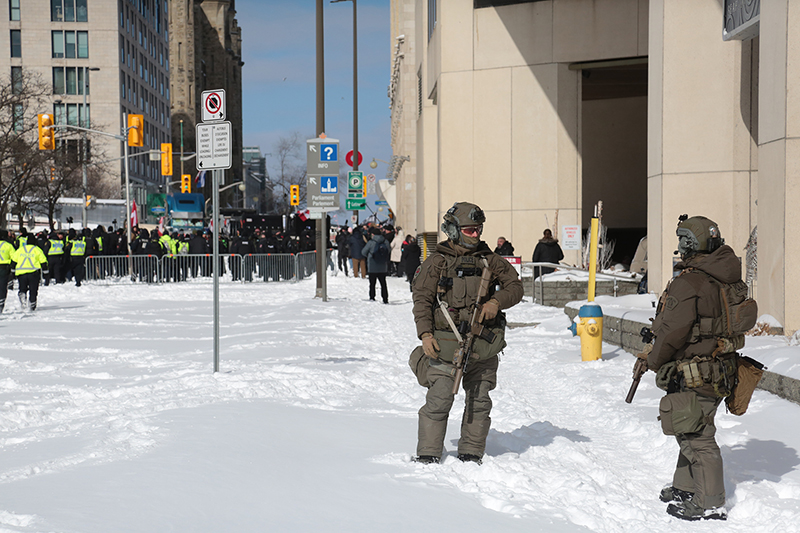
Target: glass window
{"type": "Point", "coordinates": [83, 44]}
{"type": "Point", "coordinates": [69, 44]}
{"type": "Point", "coordinates": [58, 81]}
{"type": "Point", "coordinates": [69, 10]}
{"type": "Point", "coordinates": [16, 43]}
{"type": "Point", "coordinates": [56, 10]}
{"type": "Point", "coordinates": [18, 114]}
{"type": "Point", "coordinates": [59, 113]}
{"type": "Point", "coordinates": [72, 81]}
{"type": "Point", "coordinates": [85, 114]}
{"type": "Point", "coordinates": [72, 114]}
{"type": "Point", "coordinates": [82, 14]}
{"type": "Point", "coordinates": [16, 80]}
{"type": "Point", "coordinates": [13, 6]}
{"type": "Point", "coordinates": [58, 44]}
{"type": "Point", "coordinates": [81, 82]}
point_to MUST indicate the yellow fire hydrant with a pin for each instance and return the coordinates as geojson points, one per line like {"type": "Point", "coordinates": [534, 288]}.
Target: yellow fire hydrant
{"type": "Point", "coordinates": [588, 325]}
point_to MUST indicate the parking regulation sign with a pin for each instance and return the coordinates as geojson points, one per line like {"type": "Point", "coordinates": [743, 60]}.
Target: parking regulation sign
{"type": "Point", "coordinates": [213, 105]}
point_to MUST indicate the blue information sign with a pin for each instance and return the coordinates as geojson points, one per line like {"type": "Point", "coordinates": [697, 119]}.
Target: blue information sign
{"type": "Point", "coordinates": [328, 152]}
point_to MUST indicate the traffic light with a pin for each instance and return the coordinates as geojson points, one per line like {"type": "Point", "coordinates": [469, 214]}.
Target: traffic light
{"type": "Point", "coordinates": [90, 201]}
{"type": "Point", "coordinates": [186, 183]}
{"type": "Point", "coordinates": [166, 159]}
{"type": "Point", "coordinates": [294, 192]}
{"type": "Point", "coordinates": [47, 135]}
{"type": "Point", "coordinates": [52, 173]}
{"type": "Point", "coordinates": [135, 130]}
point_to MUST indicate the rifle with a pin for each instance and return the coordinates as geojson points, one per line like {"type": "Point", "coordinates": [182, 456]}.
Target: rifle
{"type": "Point", "coordinates": [474, 329]}
{"type": "Point", "coordinates": [640, 367]}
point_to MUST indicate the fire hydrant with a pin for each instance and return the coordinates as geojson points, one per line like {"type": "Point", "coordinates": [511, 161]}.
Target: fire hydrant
{"type": "Point", "coordinates": [588, 325]}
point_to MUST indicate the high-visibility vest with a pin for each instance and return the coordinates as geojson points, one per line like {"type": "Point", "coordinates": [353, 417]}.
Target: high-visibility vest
{"type": "Point", "coordinates": [78, 247]}
{"type": "Point", "coordinates": [99, 244]}
{"type": "Point", "coordinates": [29, 258]}
{"type": "Point", "coordinates": [6, 249]}
{"type": "Point", "coordinates": [56, 247]}
{"type": "Point", "coordinates": [183, 247]}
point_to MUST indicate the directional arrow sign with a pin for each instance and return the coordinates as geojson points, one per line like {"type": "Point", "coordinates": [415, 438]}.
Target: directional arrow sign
{"type": "Point", "coordinates": [356, 205]}
{"type": "Point", "coordinates": [322, 156]}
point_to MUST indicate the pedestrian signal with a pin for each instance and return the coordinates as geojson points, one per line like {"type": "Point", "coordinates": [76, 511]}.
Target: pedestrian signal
{"type": "Point", "coordinates": [47, 135]}
{"type": "Point", "coordinates": [135, 130]}
{"type": "Point", "coordinates": [186, 183]}
{"type": "Point", "coordinates": [166, 159]}
{"type": "Point", "coordinates": [294, 192]}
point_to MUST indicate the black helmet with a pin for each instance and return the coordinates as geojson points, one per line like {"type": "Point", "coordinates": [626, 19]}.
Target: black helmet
{"type": "Point", "coordinates": [697, 235]}
{"type": "Point", "coordinates": [463, 214]}
{"type": "Point", "coordinates": [144, 234]}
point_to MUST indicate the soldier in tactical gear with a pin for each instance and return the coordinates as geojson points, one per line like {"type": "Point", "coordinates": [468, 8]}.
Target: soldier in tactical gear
{"type": "Point", "coordinates": [696, 363]}
{"type": "Point", "coordinates": [445, 291]}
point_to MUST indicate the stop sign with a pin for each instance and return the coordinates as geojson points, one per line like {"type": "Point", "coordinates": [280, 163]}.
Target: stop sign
{"type": "Point", "coordinates": [349, 158]}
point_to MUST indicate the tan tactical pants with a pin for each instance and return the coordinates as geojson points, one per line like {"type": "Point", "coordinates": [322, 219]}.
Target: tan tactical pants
{"type": "Point", "coordinates": [479, 379]}
{"type": "Point", "coordinates": [699, 468]}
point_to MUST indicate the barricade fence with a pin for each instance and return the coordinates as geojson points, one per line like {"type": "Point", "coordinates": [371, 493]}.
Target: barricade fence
{"type": "Point", "coordinates": [112, 269]}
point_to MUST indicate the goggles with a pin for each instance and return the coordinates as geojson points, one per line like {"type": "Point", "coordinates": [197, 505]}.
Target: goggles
{"type": "Point", "coordinates": [472, 231]}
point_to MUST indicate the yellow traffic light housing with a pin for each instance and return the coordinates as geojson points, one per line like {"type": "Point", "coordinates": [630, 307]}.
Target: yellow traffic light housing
{"type": "Point", "coordinates": [186, 183]}
{"type": "Point", "coordinates": [47, 135]}
{"type": "Point", "coordinates": [166, 159]}
{"type": "Point", "coordinates": [294, 194]}
{"type": "Point", "coordinates": [136, 130]}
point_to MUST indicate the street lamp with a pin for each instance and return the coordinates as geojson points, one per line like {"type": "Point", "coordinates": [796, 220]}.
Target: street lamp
{"type": "Point", "coordinates": [374, 163]}
{"type": "Point", "coordinates": [85, 151]}
{"type": "Point", "coordinates": [242, 187]}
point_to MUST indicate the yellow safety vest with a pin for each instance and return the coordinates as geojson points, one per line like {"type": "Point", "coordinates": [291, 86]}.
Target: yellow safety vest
{"type": "Point", "coordinates": [78, 247]}
{"type": "Point", "coordinates": [29, 258]}
{"type": "Point", "coordinates": [6, 250]}
{"type": "Point", "coordinates": [56, 247]}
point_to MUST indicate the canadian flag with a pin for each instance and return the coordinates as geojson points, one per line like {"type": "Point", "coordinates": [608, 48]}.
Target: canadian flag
{"type": "Point", "coordinates": [134, 215]}
{"type": "Point", "coordinates": [304, 214]}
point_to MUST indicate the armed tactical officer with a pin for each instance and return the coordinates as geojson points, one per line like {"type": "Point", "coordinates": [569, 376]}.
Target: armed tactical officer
{"type": "Point", "coordinates": [700, 323]}
{"type": "Point", "coordinates": [446, 292]}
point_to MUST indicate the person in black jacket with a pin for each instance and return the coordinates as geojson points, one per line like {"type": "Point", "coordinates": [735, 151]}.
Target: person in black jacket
{"type": "Point", "coordinates": [242, 245]}
{"type": "Point", "coordinates": [546, 251]}
{"type": "Point", "coordinates": [410, 258]}
{"type": "Point", "coordinates": [143, 245]}
{"type": "Point", "coordinates": [504, 247]}
{"type": "Point", "coordinates": [343, 249]}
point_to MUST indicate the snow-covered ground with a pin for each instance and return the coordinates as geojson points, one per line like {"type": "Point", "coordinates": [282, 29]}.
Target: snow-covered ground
{"type": "Point", "coordinates": [112, 420]}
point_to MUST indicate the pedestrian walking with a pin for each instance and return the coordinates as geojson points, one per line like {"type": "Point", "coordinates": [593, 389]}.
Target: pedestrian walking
{"type": "Point", "coordinates": [378, 254]}
{"type": "Point", "coordinates": [29, 261]}
{"type": "Point", "coordinates": [547, 251]}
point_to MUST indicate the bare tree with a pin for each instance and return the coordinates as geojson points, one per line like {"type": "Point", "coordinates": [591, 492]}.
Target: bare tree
{"type": "Point", "coordinates": [289, 168]}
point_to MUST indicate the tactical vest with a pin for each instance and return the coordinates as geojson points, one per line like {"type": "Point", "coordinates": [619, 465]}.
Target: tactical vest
{"type": "Point", "coordinates": [78, 247]}
{"type": "Point", "coordinates": [458, 286]}
{"type": "Point", "coordinates": [56, 247]}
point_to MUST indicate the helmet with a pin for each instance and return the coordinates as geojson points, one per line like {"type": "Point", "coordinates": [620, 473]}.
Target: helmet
{"type": "Point", "coordinates": [460, 215]}
{"type": "Point", "coordinates": [697, 235]}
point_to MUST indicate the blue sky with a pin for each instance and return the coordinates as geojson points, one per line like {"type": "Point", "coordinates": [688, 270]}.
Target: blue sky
{"type": "Point", "coordinates": [279, 41]}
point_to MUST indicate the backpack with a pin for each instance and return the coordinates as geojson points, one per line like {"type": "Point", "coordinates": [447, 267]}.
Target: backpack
{"type": "Point", "coordinates": [381, 253]}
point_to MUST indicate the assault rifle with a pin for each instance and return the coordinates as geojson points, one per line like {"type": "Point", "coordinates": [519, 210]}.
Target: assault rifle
{"type": "Point", "coordinates": [640, 367]}
{"type": "Point", "coordinates": [473, 328]}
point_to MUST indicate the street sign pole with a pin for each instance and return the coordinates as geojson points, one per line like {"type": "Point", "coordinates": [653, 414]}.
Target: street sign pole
{"type": "Point", "coordinates": [216, 175]}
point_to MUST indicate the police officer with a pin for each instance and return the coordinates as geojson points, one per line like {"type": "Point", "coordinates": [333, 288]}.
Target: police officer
{"type": "Point", "coordinates": [6, 249]}
{"type": "Point", "coordinates": [30, 261]}
{"type": "Point", "coordinates": [55, 256]}
{"type": "Point", "coordinates": [445, 289]}
{"type": "Point", "coordinates": [77, 256]}
{"type": "Point", "coordinates": [694, 357]}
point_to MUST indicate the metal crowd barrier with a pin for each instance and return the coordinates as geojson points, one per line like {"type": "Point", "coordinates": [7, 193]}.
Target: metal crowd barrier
{"type": "Point", "coordinates": [108, 269]}
{"type": "Point", "coordinates": [532, 266]}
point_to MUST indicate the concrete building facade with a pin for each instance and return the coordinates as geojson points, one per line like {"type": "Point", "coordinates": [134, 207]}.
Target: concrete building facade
{"type": "Point", "coordinates": [538, 109]}
{"type": "Point", "coordinates": [119, 48]}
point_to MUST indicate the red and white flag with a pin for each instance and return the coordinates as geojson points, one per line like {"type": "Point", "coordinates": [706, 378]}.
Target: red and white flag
{"type": "Point", "coordinates": [134, 215]}
{"type": "Point", "coordinates": [304, 214]}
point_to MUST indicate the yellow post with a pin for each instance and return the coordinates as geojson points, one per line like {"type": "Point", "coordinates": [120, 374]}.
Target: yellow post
{"type": "Point", "coordinates": [593, 258]}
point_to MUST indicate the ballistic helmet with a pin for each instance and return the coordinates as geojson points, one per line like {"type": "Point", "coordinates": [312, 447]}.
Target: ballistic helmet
{"type": "Point", "coordinates": [697, 235]}
{"type": "Point", "coordinates": [461, 215]}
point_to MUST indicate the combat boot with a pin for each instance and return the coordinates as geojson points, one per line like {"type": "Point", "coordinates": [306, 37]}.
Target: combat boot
{"type": "Point", "coordinates": [691, 511]}
{"type": "Point", "coordinates": [671, 494]}
{"type": "Point", "coordinates": [23, 300]}
{"type": "Point", "coordinates": [427, 459]}
{"type": "Point", "coordinates": [469, 458]}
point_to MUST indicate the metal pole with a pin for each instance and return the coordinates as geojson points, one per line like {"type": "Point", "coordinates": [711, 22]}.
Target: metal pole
{"type": "Point", "coordinates": [84, 178]}
{"type": "Point", "coordinates": [129, 231]}
{"type": "Point", "coordinates": [181, 153]}
{"type": "Point", "coordinates": [355, 97]}
{"type": "Point", "coordinates": [215, 258]}
{"type": "Point", "coordinates": [321, 286]}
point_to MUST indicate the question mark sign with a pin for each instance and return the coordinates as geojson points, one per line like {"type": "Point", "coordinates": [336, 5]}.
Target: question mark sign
{"type": "Point", "coordinates": [328, 152]}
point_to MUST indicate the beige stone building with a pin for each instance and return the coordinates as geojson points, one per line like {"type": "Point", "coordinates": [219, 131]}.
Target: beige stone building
{"type": "Point", "coordinates": [117, 48]}
{"type": "Point", "coordinates": [657, 108]}
{"type": "Point", "coordinates": [206, 52]}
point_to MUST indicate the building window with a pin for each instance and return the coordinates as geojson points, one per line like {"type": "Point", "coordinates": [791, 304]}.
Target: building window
{"type": "Point", "coordinates": [69, 80]}
{"type": "Point", "coordinates": [68, 11]}
{"type": "Point", "coordinates": [70, 44]}
{"type": "Point", "coordinates": [72, 114]}
{"type": "Point", "coordinates": [17, 116]}
{"type": "Point", "coordinates": [13, 9]}
{"type": "Point", "coordinates": [16, 80]}
{"type": "Point", "coordinates": [431, 17]}
{"type": "Point", "coordinates": [16, 43]}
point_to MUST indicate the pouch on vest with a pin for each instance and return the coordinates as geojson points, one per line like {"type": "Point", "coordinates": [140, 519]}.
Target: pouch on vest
{"type": "Point", "coordinates": [448, 344]}
{"type": "Point", "coordinates": [681, 414]}
{"type": "Point", "coordinates": [748, 374]}
{"type": "Point", "coordinates": [492, 340]}
{"type": "Point", "coordinates": [419, 365]}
